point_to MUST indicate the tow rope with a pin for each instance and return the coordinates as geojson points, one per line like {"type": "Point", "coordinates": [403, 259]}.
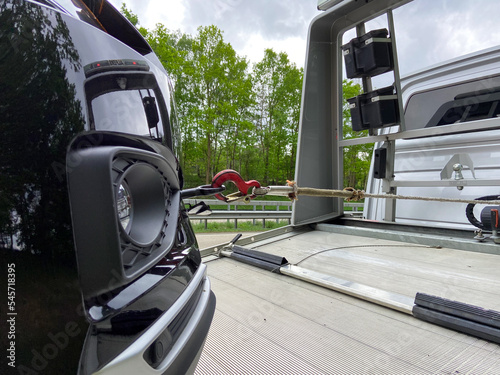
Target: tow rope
{"type": "Point", "coordinates": [351, 194]}
{"type": "Point", "coordinates": [292, 191]}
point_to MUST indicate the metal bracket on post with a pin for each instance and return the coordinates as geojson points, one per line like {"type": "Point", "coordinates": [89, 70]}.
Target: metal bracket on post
{"type": "Point", "coordinates": [389, 145]}
{"type": "Point", "coordinates": [367, 81]}
{"type": "Point", "coordinates": [390, 204]}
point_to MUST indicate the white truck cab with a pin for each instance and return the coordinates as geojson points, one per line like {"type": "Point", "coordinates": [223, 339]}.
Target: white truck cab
{"type": "Point", "coordinates": [461, 97]}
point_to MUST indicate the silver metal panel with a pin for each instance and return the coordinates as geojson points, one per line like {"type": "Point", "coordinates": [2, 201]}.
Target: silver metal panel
{"type": "Point", "coordinates": [423, 238]}
{"type": "Point", "coordinates": [422, 159]}
{"type": "Point", "coordinates": [445, 183]}
{"type": "Point", "coordinates": [466, 127]}
{"type": "Point", "coordinates": [317, 162]}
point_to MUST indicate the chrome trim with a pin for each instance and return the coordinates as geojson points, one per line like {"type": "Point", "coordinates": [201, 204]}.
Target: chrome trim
{"type": "Point", "coordinates": [131, 360]}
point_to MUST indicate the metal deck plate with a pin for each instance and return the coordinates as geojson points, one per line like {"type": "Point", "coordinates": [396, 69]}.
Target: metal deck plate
{"type": "Point", "coordinates": [267, 323]}
{"type": "Point", "coordinates": [397, 267]}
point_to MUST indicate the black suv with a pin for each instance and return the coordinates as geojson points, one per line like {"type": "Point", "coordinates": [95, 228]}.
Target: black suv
{"type": "Point", "coordinates": [101, 272]}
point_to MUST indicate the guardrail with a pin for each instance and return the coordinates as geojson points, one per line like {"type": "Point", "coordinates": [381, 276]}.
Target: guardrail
{"type": "Point", "coordinates": [280, 210]}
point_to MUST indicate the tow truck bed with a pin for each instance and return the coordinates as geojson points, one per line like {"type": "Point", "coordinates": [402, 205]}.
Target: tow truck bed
{"type": "Point", "coordinates": [271, 323]}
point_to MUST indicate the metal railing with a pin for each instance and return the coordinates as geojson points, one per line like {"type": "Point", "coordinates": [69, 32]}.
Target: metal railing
{"type": "Point", "coordinates": [260, 210]}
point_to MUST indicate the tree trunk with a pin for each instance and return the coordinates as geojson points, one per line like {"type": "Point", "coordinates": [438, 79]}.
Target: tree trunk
{"type": "Point", "coordinates": [208, 177]}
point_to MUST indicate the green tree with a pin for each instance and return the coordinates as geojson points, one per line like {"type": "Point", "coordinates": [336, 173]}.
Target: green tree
{"type": "Point", "coordinates": [133, 18]}
{"type": "Point", "coordinates": [229, 118]}
{"type": "Point", "coordinates": [356, 158]}
{"type": "Point", "coordinates": [215, 91]}
{"type": "Point", "coordinates": [277, 87]}
{"type": "Point", "coordinates": [173, 48]}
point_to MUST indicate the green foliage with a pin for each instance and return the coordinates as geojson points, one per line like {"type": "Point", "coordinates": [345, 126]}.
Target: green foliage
{"type": "Point", "coordinates": [216, 94]}
{"type": "Point", "coordinates": [172, 48]}
{"type": "Point", "coordinates": [234, 117]}
{"type": "Point", "coordinates": [133, 18]}
{"type": "Point", "coordinates": [277, 88]}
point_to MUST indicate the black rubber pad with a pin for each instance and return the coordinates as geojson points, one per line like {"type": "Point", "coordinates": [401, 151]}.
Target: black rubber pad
{"type": "Point", "coordinates": [458, 324]}
{"type": "Point", "coordinates": [459, 309]}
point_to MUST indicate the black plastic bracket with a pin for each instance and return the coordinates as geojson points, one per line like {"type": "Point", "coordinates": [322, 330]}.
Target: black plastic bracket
{"type": "Point", "coordinates": [379, 163]}
{"type": "Point", "coordinates": [259, 259]}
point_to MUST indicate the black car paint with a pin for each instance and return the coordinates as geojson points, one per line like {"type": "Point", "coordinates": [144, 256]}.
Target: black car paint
{"type": "Point", "coordinates": [43, 108]}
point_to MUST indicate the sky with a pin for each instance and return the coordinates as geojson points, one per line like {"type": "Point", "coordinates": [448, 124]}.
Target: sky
{"type": "Point", "coordinates": [250, 26]}
{"type": "Point", "coordinates": [444, 29]}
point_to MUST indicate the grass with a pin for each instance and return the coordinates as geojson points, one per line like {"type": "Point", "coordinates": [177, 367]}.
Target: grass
{"type": "Point", "coordinates": [243, 226]}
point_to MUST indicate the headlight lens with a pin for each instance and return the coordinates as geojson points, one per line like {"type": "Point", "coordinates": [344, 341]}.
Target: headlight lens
{"type": "Point", "coordinates": [124, 207]}
{"type": "Point", "coordinates": [141, 203]}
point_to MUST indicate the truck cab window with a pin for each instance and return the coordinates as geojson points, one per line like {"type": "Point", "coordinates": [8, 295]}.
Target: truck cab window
{"type": "Point", "coordinates": [454, 104]}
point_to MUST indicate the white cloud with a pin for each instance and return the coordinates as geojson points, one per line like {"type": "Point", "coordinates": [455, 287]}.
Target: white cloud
{"type": "Point", "coordinates": [250, 27]}
{"type": "Point", "coordinates": [253, 26]}
{"type": "Point", "coordinates": [168, 12]}
{"type": "Point", "coordinates": [433, 31]}
{"type": "Point", "coordinates": [256, 44]}
{"type": "Point", "coordinates": [171, 13]}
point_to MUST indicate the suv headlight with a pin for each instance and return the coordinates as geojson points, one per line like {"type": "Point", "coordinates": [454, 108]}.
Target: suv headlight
{"type": "Point", "coordinates": [124, 206]}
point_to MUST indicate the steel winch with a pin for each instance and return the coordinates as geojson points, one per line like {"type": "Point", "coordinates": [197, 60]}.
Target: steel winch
{"type": "Point", "coordinates": [489, 219]}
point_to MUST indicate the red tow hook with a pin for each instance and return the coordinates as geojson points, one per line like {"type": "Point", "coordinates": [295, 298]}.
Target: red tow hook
{"type": "Point", "coordinates": [242, 185]}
